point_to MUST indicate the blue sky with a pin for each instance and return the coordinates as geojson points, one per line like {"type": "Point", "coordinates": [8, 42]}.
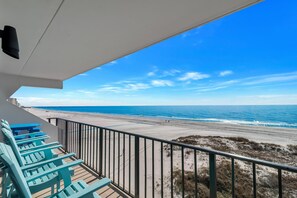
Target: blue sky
{"type": "Point", "coordinates": [249, 57]}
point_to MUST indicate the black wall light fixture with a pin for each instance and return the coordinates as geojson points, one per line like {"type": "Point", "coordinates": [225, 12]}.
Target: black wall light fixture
{"type": "Point", "coordinates": [10, 44]}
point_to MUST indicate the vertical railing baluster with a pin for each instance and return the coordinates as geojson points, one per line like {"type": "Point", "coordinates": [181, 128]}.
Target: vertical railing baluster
{"type": "Point", "coordinates": [153, 168]}
{"type": "Point", "coordinates": [171, 171]}
{"type": "Point", "coordinates": [124, 158]}
{"type": "Point", "coordinates": [129, 163]}
{"type": "Point", "coordinates": [73, 139]}
{"type": "Point", "coordinates": [280, 185]}
{"type": "Point", "coordinates": [145, 169]}
{"type": "Point", "coordinates": [87, 140]}
{"type": "Point", "coordinates": [119, 157]}
{"type": "Point", "coordinates": [109, 153]}
{"type": "Point", "coordinates": [254, 181]}
{"type": "Point", "coordinates": [59, 134]}
{"type": "Point", "coordinates": [105, 160]}
{"type": "Point", "coordinates": [93, 148]}
{"type": "Point", "coordinates": [84, 135]}
{"type": "Point", "coordinates": [161, 150]}
{"type": "Point", "coordinates": [137, 163]}
{"type": "Point", "coordinates": [97, 142]}
{"type": "Point", "coordinates": [113, 159]}
{"type": "Point", "coordinates": [195, 172]}
{"type": "Point", "coordinates": [79, 141]}
{"type": "Point", "coordinates": [233, 177]}
{"type": "Point", "coordinates": [183, 173]}
{"type": "Point", "coordinates": [75, 126]}
{"type": "Point", "coordinates": [212, 175]}
{"type": "Point", "coordinates": [66, 136]}
{"type": "Point", "coordinates": [70, 138]}
{"type": "Point", "coordinates": [101, 151]}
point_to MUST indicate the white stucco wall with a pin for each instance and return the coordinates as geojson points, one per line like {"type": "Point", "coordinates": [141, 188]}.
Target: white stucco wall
{"type": "Point", "coordinates": [14, 114]}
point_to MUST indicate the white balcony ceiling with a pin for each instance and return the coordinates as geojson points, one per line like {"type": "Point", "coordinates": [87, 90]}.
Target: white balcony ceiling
{"type": "Point", "coordinates": [60, 39]}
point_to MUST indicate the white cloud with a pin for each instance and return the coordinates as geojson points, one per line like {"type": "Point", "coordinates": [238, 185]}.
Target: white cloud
{"type": "Point", "coordinates": [151, 74]}
{"type": "Point", "coordinates": [193, 76]}
{"type": "Point", "coordinates": [113, 89]}
{"type": "Point", "coordinates": [171, 72]}
{"type": "Point", "coordinates": [124, 88]}
{"type": "Point", "coordinates": [42, 101]}
{"type": "Point", "coordinates": [225, 73]}
{"type": "Point", "coordinates": [162, 83]}
{"type": "Point", "coordinates": [86, 92]}
{"type": "Point", "coordinates": [266, 80]}
{"type": "Point", "coordinates": [83, 74]}
{"type": "Point", "coordinates": [137, 86]}
{"type": "Point", "coordinates": [282, 77]}
{"type": "Point", "coordinates": [215, 86]}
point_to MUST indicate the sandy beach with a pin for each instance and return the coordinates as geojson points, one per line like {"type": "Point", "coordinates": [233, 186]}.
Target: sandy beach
{"type": "Point", "coordinates": [174, 129]}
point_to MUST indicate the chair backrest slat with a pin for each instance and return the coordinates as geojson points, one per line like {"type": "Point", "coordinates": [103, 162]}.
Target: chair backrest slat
{"type": "Point", "coordinates": [14, 171]}
{"type": "Point", "coordinates": [11, 141]}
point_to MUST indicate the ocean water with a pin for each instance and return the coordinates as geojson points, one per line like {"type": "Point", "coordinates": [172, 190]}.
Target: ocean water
{"type": "Point", "coordinates": [260, 115]}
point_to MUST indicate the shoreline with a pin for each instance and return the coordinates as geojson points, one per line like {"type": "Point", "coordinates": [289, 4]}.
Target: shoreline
{"type": "Point", "coordinates": [254, 123]}
{"type": "Point", "coordinates": [172, 128]}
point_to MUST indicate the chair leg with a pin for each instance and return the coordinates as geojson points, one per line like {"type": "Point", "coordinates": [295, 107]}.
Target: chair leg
{"type": "Point", "coordinates": [58, 185]}
{"type": "Point", "coordinates": [52, 189]}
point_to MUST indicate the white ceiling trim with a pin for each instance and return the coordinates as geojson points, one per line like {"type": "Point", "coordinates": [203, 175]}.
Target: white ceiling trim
{"type": "Point", "coordinates": [62, 38]}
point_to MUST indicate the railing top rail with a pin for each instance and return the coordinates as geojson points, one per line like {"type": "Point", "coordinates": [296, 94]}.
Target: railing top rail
{"type": "Point", "coordinates": [210, 151]}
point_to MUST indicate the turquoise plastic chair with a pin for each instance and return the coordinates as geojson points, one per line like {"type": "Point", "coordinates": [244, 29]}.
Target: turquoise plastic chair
{"type": "Point", "coordinates": [21, 189]}
{"type": "Point", "coordinates": [28, 143]}
{"type": "Point", "coordinates": [17, 130]}
{"type": "Point", "coordinates": [26, 156]}
{"type": "Point", "coordinates": [34, 155]}
{"type": "Point", "coordinates": [21, 137]}
{"type": "Point", "coordinates": [38, 183]}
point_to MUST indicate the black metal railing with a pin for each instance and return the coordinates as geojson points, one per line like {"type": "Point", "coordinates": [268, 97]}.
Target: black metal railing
{"type": "Point", "coordinates": [143, 166]}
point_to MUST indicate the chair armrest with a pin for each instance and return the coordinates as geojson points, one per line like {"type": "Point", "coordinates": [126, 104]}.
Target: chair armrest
{"type": "Point", "coordinates": [39, 146]}
{"type": "Point", "coordinates": [31, 135]}
{"type": "Point", "coordinates": [93, 187]}
{"type": "Point", "coordinates": [31, 140]}
{"type": "Point", "coordinates": [47, 161]}
{"type": "Point", "coordinates": [41, 149]}
{"type": "Point", "coordinates": [68, 165]}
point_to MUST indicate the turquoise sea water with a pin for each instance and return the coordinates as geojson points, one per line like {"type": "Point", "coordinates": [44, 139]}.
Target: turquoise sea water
{"type": "Point", "coordinates": [261, 115]}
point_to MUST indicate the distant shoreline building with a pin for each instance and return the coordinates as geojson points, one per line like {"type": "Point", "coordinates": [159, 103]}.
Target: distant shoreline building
{"type": "Point", "coordinates": [14, 101]}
